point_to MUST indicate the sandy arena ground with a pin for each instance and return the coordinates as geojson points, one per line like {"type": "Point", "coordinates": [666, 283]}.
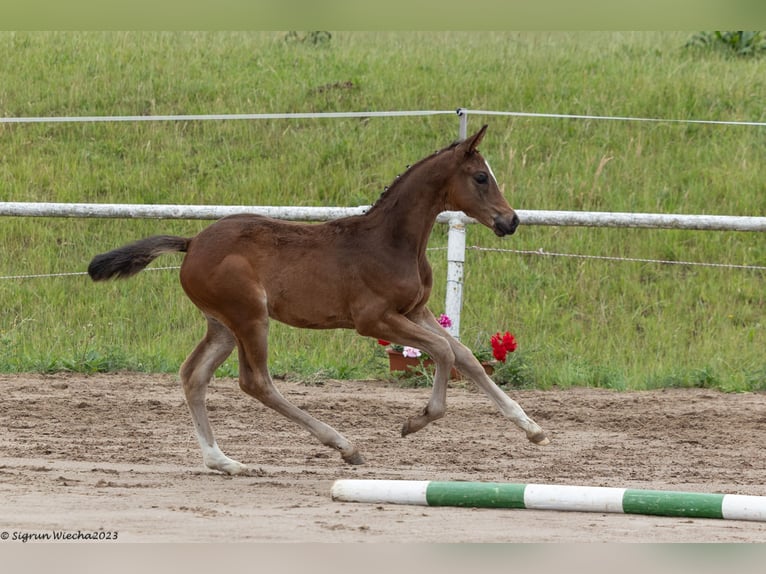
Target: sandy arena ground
{"type": "Point", "coordinates": [116, 453]}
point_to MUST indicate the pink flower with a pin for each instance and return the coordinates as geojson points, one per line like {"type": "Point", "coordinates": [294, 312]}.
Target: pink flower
{"type": "Point", "coordinates": [411, 352]}
{"type": "Point", "coordinates": [445, 321]}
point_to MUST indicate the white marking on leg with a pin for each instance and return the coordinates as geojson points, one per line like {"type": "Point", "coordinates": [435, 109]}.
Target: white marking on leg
{"type": "Point", "coordinates": [212, 455]}
{"type": "Point", "coordinates": [195, 375]}
{"type": "Point", "coordinates": [214, 458]}
{"type": "Point", "coordinates": [469, 365]}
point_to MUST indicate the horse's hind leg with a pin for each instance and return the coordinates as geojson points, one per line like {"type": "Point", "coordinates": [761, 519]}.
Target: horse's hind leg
{"type": "Point", "coordinates": [255, 380]}
{"type": "Point", "coordinates": [196, 373]}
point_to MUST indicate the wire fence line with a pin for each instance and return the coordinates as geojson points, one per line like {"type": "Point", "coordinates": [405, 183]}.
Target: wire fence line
{"type": "Point", "coordinates": [221, 117]}
{"type": "Point", "coordinates": [363, 114]}
{"type": "Point", "coordinates": [542, 252]}
{"type": "Point", "coordinates": [74, 273]}
{"type": "Point", "coordinates": [611, 118]}
{"type": "Point", "coordinates": [538, 252]}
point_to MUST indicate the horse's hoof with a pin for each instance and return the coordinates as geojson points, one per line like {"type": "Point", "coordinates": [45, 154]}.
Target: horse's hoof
{"type": "Point", "coordinates": [353, 458]}
{"type": "Point", "coordinates": [231, 467]}
{"type": "Point", "coordinates": [414, 424]}
{"type": "Point", "coordinates": [539, 438]}
{"type": "Point", "coordinates": [408, 428]}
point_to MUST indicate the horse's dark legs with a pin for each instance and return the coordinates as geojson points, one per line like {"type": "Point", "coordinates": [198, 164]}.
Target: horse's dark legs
{"type": "Point", "coordinates": [436, 407]}
{"type": "Point", "coordinates": [254, 379]}
{"type": "Point", "coordinates": [196, 373]}
{"type": "Point", "coordinates": [404, 331]}
{"type": "Point", "coordinates": [469, 365]}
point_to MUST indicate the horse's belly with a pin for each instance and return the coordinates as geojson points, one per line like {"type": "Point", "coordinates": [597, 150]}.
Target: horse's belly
{"type": "Point", "coordinates": [314, 320]}
{"type": "Point", "coordinates": [308, 305]}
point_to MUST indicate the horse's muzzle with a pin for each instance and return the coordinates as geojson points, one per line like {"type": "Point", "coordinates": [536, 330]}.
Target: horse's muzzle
{"type": "Point", "coordinates": [505, 224]}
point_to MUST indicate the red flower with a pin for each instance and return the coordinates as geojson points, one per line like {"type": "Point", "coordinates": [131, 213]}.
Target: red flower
{"type": "Point", "coordinates": [383, 342]}
{"type": "Point", "coordinates": [509, 342]}
{"type": "Point", "coordinates": [502, 345]}
{"type": "Point", "coordinates": [498, 350]}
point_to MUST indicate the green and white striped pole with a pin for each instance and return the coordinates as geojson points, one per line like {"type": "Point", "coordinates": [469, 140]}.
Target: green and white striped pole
{"type": "Point", "coordinates": [552, 497]}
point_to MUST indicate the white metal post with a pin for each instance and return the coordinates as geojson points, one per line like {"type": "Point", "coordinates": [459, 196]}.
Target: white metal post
{"type": "Point", "coordinates": [463, 131]}
{"type": "Point", "coordinates": [453, 303]}
{"type": "Point", "coordinates": [455, 261]}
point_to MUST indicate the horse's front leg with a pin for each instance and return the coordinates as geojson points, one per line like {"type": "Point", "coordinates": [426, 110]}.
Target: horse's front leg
{"type": "Point", "coordinates": [403, 330]}
{"type": "Point", "coordinates": [436, 407]}
{"type": "Point", "coordinates": [471, 367]}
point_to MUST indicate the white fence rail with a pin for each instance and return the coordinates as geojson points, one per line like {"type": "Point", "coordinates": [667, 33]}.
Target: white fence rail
{"type": "Point", "coordinates": [457, 225]}
{"type": "Point", "coordinates": [309, 213]}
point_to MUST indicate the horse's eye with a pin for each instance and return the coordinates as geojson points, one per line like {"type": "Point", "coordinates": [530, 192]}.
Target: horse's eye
{"type": "Point", "coordinates": [481, 177]}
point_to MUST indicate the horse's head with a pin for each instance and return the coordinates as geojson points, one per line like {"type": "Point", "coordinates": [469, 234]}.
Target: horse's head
{"type": "Point", "coordinates": [473, 189]}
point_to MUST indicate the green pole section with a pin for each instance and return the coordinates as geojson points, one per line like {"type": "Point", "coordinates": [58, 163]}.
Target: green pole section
{"type": "Point", "coordinates": [475, 494]}
{"type": "Point", "coordinates": [668, 503]}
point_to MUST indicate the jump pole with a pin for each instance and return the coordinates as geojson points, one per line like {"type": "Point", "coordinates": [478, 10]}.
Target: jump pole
{"type": "Point", "coordinates": [552, 497]}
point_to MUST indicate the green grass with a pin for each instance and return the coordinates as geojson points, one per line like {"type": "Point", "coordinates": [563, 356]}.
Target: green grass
{"type": "Point", "coordinates": [611, 324]}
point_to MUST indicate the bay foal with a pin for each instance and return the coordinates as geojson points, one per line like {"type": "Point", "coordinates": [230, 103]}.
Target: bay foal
{"type": "Point", "coordinates": [366, 272]}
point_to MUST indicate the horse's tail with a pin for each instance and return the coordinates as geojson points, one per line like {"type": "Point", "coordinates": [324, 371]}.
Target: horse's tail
{"type": "Point", "coordinates": [128, 260]}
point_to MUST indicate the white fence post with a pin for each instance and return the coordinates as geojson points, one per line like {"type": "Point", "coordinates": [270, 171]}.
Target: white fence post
{"type": "Point", "coordinates": [455, 261]}
{"type": "Point", "coordinates": [453, 299]}
{"type": "Point", "coordinates": [463, 130]}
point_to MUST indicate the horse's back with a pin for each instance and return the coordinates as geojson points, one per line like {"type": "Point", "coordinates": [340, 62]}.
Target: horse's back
{"type": "Point", "coordinates": [294, 268]}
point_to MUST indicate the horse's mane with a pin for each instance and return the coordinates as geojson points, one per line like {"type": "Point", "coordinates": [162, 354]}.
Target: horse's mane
{"type": "Point", "coordinates": [390, 189]}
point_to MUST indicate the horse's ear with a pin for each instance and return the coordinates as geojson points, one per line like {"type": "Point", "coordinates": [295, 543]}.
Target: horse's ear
{"type": "Point", "coordinates": [471, 143]}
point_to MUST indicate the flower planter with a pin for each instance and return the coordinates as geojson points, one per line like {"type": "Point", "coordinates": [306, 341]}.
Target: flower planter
{"type": "Point", "coordinates": [398, 363]}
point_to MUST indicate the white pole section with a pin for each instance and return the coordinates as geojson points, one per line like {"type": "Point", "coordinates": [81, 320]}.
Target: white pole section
{"type": "Point", "coordinates": [381, 491]}
{"type": "Point", "coordinates": [455, 261]}
{"type": "Point", "coordinates": [463, 130]}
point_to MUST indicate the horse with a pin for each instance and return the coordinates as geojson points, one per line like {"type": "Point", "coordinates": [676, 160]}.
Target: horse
{"type": "Point", "coordinates": [365, 272]}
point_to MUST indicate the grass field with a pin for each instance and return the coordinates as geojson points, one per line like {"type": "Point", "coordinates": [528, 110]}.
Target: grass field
{"type": "Point", "coordinates": [578, 322]}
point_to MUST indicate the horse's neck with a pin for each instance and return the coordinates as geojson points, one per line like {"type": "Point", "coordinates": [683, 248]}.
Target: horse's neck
{"type": "Point", "coordinates": [406, 213]}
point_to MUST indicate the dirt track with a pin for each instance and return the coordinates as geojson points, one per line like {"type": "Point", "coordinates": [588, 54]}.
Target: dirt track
{"type": "Point", "coordinates": [117, 453]}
